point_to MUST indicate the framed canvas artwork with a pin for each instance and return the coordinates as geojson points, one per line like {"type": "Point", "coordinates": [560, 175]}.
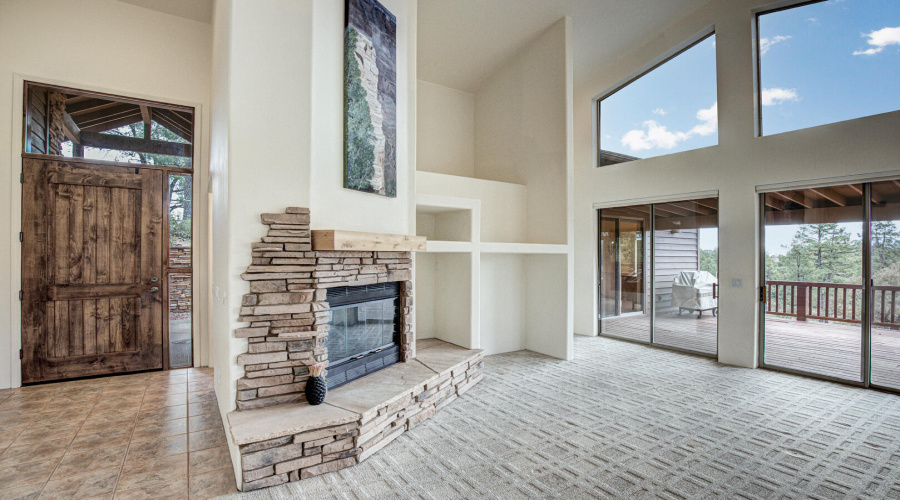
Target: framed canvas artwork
{"type": "Point", "coordinates": [370, 98]}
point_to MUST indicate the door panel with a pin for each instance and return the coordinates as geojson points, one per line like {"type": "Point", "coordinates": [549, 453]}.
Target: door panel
{"type": "Point", "coordinates": [92, 243]}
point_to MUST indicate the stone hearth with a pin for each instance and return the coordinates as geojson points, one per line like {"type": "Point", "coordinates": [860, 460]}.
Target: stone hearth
{"type": "Point", "coordinates": [297, 441]}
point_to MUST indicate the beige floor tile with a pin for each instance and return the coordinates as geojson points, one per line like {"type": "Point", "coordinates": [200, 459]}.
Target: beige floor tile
{"type": "Point", "coordinates": [94, 440]}
{"type": "Point", "coordinates": [11, 406]}
{"type": "Point", "coordinates": [205, 421]}
{"type": "Point", "coordinates": [27, 473]}
{"type": "Point", "coordinates": [33, 452]}
{"type": "Point", "coordinates": [162, 400]}
{"type": "Point", "coordinates": [212, 484]}
{"type": "Point", "coordinates": [62, 416]}
{"type": "Point", "coordinates": [84, 485]}
{"type": "Point", "coordinates": [209, 438]}
{"type": "Point", "coordinates": [33, 397]}
{"type": "Point", "coordinates": [209, 460]}
{"type": "Point", "coordinates": [94, 459]}
{"type": "Point", "coordinates": [172, 489]}
{"type": "Point", "coordinates": [203, 385]}
{"type": "Point", "coordinates": [154, 448]}
{"type": "Point", "coordinates": [27, 492]}
{"type": "Point", "coordinates": [196, 397]}
{"type": "Point", "coordinates": [138, 474]}
{"type": "Point", "coordinates": [203, 407]}
{"type": "Point", "coordinates": [167, 388]}
{"type": "Point", "coordinates": [42, 432]}
{"type": "Point", "coordinates": [119, 405]}
{"type": "Point", "coordinates": [159, 414]}
{"type": "Point", "coordinates": [92, 426]}
{"type": "Point", "coordinates": [164, 428]}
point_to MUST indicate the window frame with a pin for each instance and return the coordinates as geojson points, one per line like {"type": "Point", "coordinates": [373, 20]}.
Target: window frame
{"type": "Point", "coordinates": [667, 56]}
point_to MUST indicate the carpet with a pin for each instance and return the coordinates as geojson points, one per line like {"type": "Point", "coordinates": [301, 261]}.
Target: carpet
{"type": "Point", "coordinates": [628, 421]}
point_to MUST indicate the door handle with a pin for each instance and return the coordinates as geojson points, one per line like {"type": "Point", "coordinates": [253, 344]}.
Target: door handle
{"type": "Point", "coordinates": [154, 279]}
{"type": "Point", "coordinates": [154, 289]}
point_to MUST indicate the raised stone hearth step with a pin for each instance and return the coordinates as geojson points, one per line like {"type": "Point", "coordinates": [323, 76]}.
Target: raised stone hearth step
{"type": "Point", "coordinates": [295, 441]}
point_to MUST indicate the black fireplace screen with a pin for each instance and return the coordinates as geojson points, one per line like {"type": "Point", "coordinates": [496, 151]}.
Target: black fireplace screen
{"type": "Point", "coordinates": [364, 333]}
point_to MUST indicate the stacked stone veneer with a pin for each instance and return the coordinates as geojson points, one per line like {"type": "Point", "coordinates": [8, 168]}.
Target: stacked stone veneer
{"type": "Point", "coordinates": [300, 456]}
{"type": "Point", "coordinates": [287, 310]}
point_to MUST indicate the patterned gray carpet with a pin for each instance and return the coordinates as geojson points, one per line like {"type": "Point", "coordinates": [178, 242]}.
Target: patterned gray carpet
{"type": "Point", "coordinates": [628, 421]}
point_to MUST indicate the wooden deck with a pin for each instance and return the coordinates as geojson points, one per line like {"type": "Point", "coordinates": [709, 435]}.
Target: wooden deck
{"type": "Point", "coordinates": [826, 349]}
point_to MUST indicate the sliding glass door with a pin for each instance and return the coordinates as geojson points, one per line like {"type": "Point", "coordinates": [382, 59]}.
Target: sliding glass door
{"type": "Point", "coordinates": [685, 270]}
{"type": "Point", "coordinates": [884, 234]}
{"type": "Point", "coordinates": [623, 280]}
{"type": "Point", "coordinates": [832, 277]}
{"type": "Point", "coordinates": [814, 285]}
{"type": "Point", "coordinates": [658, 274]}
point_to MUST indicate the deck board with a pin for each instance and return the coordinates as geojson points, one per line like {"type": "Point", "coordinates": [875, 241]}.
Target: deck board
{"type": "Point", "coordinates": [821, 348]}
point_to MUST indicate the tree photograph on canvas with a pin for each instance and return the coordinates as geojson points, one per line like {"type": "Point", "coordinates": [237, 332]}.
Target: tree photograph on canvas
{"type": "Point", "coordinates": [370, 98]}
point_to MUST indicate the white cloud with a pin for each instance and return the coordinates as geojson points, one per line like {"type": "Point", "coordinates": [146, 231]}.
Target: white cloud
{"type": "Point", "coordinates": [879, 39]}
{"type": "Point", "coordinates": [659, 136]}
{"type": "Point", "coordinates": [813, 20]}
{"type": "Point", "coordinates": [773, 96]}
{"type": "Point", "coordinates": [710, 119]}
{"type": "Point", "coordinates": [660, 112]}
{"type": "Point", "coordinates": [765, 44]}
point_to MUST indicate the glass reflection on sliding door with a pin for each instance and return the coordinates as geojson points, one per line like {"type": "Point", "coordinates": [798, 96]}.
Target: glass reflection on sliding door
{"type": "Point", "coordinates": [686, 242]}
{"type": "Point", "coordinates": [623, 280]}
{"type": "Point", "coordinates": [885, 259]}
{"type": "Point", "coordinates": [814, 288]}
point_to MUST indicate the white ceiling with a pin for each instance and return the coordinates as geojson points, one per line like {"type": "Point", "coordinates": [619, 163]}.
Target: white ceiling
{"type": "Point", "coordinates": [461, 42]}
{"type": "Point", "coordinates": [198, 10]}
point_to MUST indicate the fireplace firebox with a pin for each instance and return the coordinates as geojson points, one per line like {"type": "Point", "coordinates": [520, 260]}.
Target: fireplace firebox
{"type": "Point", "coordinates": [364, 330]}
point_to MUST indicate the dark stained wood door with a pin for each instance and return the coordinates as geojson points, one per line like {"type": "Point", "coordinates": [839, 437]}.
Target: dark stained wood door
{"type": "Point", "coordinates": [91, 270]}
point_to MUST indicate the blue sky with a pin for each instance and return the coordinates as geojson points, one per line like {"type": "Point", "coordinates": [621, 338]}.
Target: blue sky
{"type": "Point", "coordinates": [829, 61]}
{"type": "Point", "coordinates": [821, 63]}
{"type": "Point", "coordinates": [671, 109]}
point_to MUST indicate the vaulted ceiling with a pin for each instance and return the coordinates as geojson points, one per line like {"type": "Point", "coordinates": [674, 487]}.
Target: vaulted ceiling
{"type": "Point", "coordinates": [197, 10]}
{"type": "Point", "coordinates": [461, 42]}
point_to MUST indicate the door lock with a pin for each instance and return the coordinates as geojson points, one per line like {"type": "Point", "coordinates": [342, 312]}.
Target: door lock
{"type": "Point", "coordinates": [154, 279]}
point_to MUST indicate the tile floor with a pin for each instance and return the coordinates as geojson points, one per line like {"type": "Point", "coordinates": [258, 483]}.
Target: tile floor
{"type": "Point", "coordinates": [149, 435]}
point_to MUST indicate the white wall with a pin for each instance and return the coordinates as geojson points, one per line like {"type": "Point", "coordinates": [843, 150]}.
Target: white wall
{"type": "Point", "coordinates": [735, 167]}
{"type": "Point", "coordinates": [521, 124]}
{"type": "Point", "coordinates": [547, 305]}
{"type": "Point", "coordinates": [503, 303]}
{"type": "Point", "coordinates": [224, 344]}
{"type": "Point", "coordinates": [93, 46]}
{"type": "Point", "coordinates": [503, 217]}
{"type": "Point", "coordinates": [446, 130]}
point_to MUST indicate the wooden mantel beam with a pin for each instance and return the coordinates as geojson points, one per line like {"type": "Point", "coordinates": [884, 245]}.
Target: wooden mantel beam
{"type": "Point", "coordinates": [366, 242]}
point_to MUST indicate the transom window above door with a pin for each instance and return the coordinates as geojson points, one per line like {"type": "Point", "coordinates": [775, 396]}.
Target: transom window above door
{"type": "Point", "coordinates": [76, 124]}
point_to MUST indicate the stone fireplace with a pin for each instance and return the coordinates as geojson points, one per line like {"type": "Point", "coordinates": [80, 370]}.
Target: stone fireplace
{"type": "Point", "coordinates": [289, 313]}
{"type": "Point", "coordinates": [345, 299]}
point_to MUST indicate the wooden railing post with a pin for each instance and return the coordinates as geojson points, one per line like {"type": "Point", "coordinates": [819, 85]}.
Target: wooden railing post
{"type": "Point", "coordinates": [801, 301]}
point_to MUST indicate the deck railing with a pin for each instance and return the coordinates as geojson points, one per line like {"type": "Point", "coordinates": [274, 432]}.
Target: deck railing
{"type": "Point", "coordinates": [830, 302]}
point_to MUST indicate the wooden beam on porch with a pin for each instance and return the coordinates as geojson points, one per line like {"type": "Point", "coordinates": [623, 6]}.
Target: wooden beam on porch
{"type": "Point", "coordinates": [122, 143]}
{"type": "Point", "coordinates": [831, 195]}
{"type": "Point", "coordinates": [146, 115]}
{"type": "Point", "coordinates": [794, 197]}
{"type": "Point", "coordinates": [73, 133]}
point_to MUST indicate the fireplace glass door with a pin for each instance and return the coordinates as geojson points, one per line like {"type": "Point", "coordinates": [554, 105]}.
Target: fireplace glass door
{"type": "Point", "coordinates": [364, 333]}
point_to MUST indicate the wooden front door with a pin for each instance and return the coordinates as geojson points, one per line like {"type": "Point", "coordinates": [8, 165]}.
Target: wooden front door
{"type": "Point", "coordinates": [91, 270]}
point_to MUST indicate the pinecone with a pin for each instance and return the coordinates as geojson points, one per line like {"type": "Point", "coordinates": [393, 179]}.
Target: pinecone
{"type": "Point", "coordinates": [316, 387]}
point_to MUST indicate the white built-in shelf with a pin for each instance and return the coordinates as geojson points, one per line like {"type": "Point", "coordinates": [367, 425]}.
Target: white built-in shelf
{"type": "Point", "coordinates": [522, 248]}
{"type": "Point", "coordinates": [435, 246]}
